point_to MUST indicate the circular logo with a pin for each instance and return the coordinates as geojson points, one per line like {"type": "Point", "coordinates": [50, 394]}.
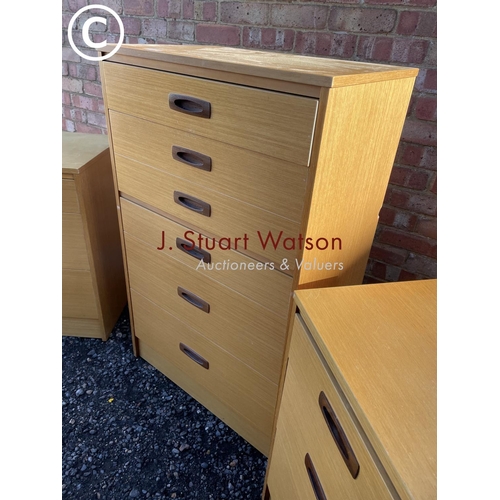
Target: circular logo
{"type": "Point", "coordinates": [85, 32]}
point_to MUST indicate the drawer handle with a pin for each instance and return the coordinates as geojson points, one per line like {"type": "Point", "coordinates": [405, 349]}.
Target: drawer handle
{"type": "Point", "coordinates": [339, 435]}
{"type": "Point", "coordinates": [193, 299]}
{"type": "Point", "coordinates": [198, 206]}
{"type": "Point", "coordinates": [313, 477]}
{"type": "Point", "coordinates": [192, 158]}
{"type": "Point", "coordinates": [193, 355]}
{"type": "Point", "coordinates": [190, 105]}
{"type": "Point", "coordinates": [193, 251]}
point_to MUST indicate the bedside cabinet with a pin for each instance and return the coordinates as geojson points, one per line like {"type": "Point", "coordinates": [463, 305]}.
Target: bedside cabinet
{"type": "Point", "coordinates": [242, 176]}
{"type": "Point", "coordinates": [357, 417]}
{"type": "Point", "coordinates": [93, 281]}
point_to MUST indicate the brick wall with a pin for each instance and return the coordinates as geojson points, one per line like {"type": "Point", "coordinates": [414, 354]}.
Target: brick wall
{"type": "Point", "coordinates": [389, 31]}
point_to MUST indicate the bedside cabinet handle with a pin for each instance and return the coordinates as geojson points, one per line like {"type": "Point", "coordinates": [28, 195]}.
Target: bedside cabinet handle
{"type": "Point", "coordinates": [193, 299]}
{"type": "Point", "coordinates": [194, 356]}
{"type": "Point", "coordinates": [193, 251]}
{"type": "Point", "coordinates": [339, 435]}
{"type": "Point", "coordinates": [192, 158]}
{"type": "Point", "coordinates": [194, 204]}
{"type": "Point", "coordinates": [189, 105]}
{"type": "Point", "coordinates": [313, 477]}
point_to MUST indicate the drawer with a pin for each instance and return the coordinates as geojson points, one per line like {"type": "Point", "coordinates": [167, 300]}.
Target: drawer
{"type": "Point", "coordinates": [303, 430]}
{"type": "Point", "coordinates": [78, 298]}
{"type": "Point", "coordinates": [227, 218]}
{"type": "Point", "coordinates": [270, 289]}
{"type": "Point", "coordinates": [74, 248]}
{"type": "Point", "coordinates": [272, 123]}
{"type": "Point", "coordinates": [69, 197]}
{"type": "Point", "coordinates": [271, 184]}
{"type": "Point", "coordinates": [227, 387]}
{"type": "Point", "coordinates": [244, 328]}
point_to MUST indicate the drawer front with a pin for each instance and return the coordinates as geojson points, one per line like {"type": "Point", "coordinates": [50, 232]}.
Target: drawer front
{"type": "Point", "coordinates": [74, 248]}
{"type": "Point", "coordinates": [271, 289]}
{"type": "Point", "coordinates": [227, 218]}
{"type": "Point", "coordinates": [271, 184]}
{"type": "Point", "coordinates": [70, 203]}
{"type": "Point", "coordinates": [245, 329]}
{"type": "Point", "coordinates": [231, 382]}
{"type": "Point", "coordinates": [304, 430]}
{"type": "Point", "coordinates": [78, 299]}
{"type": "Point", "coordinates": [272, 123]}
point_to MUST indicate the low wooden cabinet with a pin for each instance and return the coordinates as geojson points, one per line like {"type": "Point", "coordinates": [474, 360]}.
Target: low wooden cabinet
{"type": "Point", "coordinates": [242, 176]}
{"type": "Point", "coordinates": [93, 281]}
{"type": "Point", "coordinates": [357, 416]}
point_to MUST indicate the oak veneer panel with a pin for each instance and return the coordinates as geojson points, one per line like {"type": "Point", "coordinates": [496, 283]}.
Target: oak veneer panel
{"type": "Point", "coordinates": [69, 197]}
{"type": "Point", "coordinates": [239, 395]}
{"type": "Point", "coordinates": [271, 289]}
{"type": "Point", "coordinates": [271, 184]}
{"type": "Point", "coordinates": [386, 367]}
{"type": "Point", "coordinates": [79, 300]}
{"type": "Point", "coordinates": [74, 247]}
{"type": "Point", "coordinates": [244, 328]}
{"type": "Point", "coordinates": [81, 327]}
{"type": "Point", "coordinates": [276, 124]}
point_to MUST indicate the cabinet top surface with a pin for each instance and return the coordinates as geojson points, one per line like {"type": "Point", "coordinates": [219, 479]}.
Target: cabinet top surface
{"type": "Point", "coordinates": [317, 71]}
{"type": "Point", "coordinates": [78, 149]}
{"type": "Point", "coordinates": [380, 343]}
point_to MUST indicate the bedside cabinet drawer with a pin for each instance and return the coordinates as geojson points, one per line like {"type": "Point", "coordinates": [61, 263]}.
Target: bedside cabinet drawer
{"type": "Point", "coordinates": [273, 123]}
{"type": "Point", "coordinates": [239, 395]}
{"type": "Point", "coordinates": [271, 184]}
{"type": "Point", "coordinates": [319, 446]}
{"type": "Point", "coordinates": [248, 331]}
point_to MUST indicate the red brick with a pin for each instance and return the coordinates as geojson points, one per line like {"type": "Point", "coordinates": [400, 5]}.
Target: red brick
{"type": "Point", "coordinates": [397, 198]}
{"type": "Point", "coordinates": [244, 12]}
{"type": "Point", "coordinates": [154, 27]}
{"type": "Point", "coordinates": [169, 8]}
{"type": "Point", "coordinates": [415, 3]}
{"type": "Point", "coordinates": [425, 108]}
{"type": "Point", "coordinates": [115, 5]}
{"type": "Point", "coordinates": [386, 216]}
{"type": "Point", "coordinates": [139, 7]}
{"type": "Point", "coordinates": [398, 176]}
{"type": "Point", "coordinates": [88, 129]}
{"type": "Point", "coordinates": [68, 54]}
{"type": "Point", "coordinates": [66, 98]}
{"type": "Point", "coordinates": [406, 276]}
{"type": "Point", "coordinates": [422, 204]}
{"type": "Point", "coordinates": [427, 227]}
{"type": "Point", "coordinates": [268, 38]}
{"type": "Point", "coordinates": [418, 180]}
{"type": "Point", "coordinates": [388, 254]}
{"type": "Point", "coordinates": [68, 125]}
{"type": "Point", "coordinates": [434, 186]}
{"type": "Point", "coordinates": [363, 20]}
{"type": "Point", "coordinates": [299, 16]}
{"type": "Point", "coordinates": [218, 34]}
{"type": "Point", "coordinates": [209, 11]}
{"type": "Point", "coordinates": [181, 30]}
{"type": "Point", "coordinates": [375, 48]}
{"type": "Point", "coordinates": [131, 25]}
{"type": "Point", "coordinates": [413, 243]}
{"type": "Point", "coordinates": [369, 280]}
{"type": "Point", "coordinates": [74, 5]}
{"type": "Point", "coordinates": [325, 44]}
{"type": "Point", "coordinates": [89, 103]}
{"type": "Point", "coordinates": [408, 22]}
{"type": "Point", "coordinates": [188, 9]}
{"type": "Point", "coordinates": [431, 58]}
{"type": "Point", "coordinates": [412, 155]}
{"type": "Point", "coordinates": [378, 270]}
{"type": "Point", "coordinates": [82, 71]}
{"type": "Point", "coordinates": [71, 84]}
{"type": "Point", "coordinates": [96, 119]}
{"type": "Point", "coordinates": [427, 80]}
{"type": "Point", "coordinates": [417, 23]}
{"type": "Point", "coordinates": [409, 50]}
{"type": "Point", "coordinates": [419, 132]}
{"type": "Point", "coordinates": [92, 89]}
{"type": "Point", "coordinates": [65, 69]}
{"type": "Point", "coordinates": [420, 264]}
{"type": "Point", "coordinates": [429, 160]}
{"type": "Point", "coordinates": [396, 218]}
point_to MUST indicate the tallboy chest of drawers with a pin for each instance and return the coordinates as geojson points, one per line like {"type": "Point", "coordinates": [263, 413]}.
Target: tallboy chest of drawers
{"type": "Point", "coordinates": [242, 176]}
{"type": "Point", "coordinates": [93, 281]}
{"type": "Point", "coordinates": [357, 416]}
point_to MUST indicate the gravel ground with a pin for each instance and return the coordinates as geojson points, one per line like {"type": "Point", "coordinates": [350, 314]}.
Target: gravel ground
{"type": "Point", "coordinates": [129, 432]}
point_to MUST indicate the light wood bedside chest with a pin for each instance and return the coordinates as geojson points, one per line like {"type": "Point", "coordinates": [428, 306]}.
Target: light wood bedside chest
{"type": "Point", "coordinates": [93, 282]}
{"type": "Point", "coordinates": [357, 417]}
{"type": "Point", "coordinates": [242, 176]}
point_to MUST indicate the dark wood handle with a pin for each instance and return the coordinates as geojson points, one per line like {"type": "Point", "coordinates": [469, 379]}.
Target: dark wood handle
{"type": "Point", "coordinates": [313, 476]}
{"type": "Point", "coordinates": [339, 435]}
{"type": "Point", "coordinates": [193, 299]}
{"type": "Point", "coordinates": [193, 251]}
{"type": "Point", "coordinates": [189, 105]}
{"type": "Point", "coordinates": [194, 355]}
{"type": "Point", "coordinates": [192, 158]}
{"type": "Point", "coordinates": [194, 204]}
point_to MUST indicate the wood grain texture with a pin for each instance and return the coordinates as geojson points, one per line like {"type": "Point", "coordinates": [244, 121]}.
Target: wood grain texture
{"type": "Point", "coordinates": [229, 217]}
{"type": "Point", "coordinates": [79, 149]}
{"type": "Point", "coordinates": [248, 331]}
{"type": "Point", "coordinates": [317, 71]}
{"type": "Point", "coordinates": [74, 246]}
{"type": "Point", "coordinates": [79, 300]}
{"type": "Point", "coordinates": [82, 327]}
{"type": "Point", "coordinates": [302, 429]}
{"type": "Point", "coordinates": [238, 395]}
{"type": "Point", "coordinates": [386, 366]}
{"type": "Point", "coordinates": [276, 124]}
{"type": "Point", "coordinates": [69, 197]}
{"type": "Point", "coordinates": [271, 289]}
{"type": "Point", "coordinates": [271, 184]}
